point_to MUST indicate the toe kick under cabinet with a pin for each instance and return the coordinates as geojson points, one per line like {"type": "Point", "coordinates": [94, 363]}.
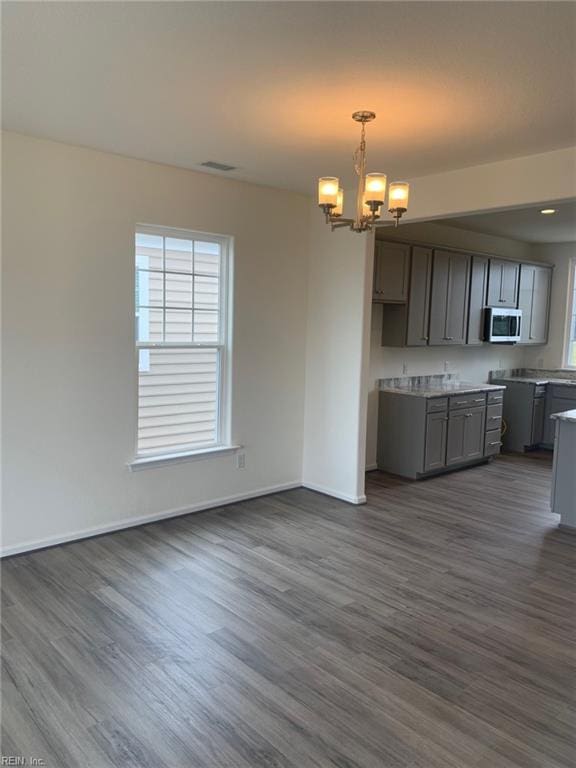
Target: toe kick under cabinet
{"type": "Point", "coordinates": [421, 436]}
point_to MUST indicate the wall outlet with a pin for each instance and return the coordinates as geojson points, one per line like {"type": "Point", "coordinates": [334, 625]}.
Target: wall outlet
{"type": "Point", "coordinates": [404, 368]}
{"type": "Point", "coordinates": [241, 460]}
{"type": "Point", "coordinates": [447, 365]}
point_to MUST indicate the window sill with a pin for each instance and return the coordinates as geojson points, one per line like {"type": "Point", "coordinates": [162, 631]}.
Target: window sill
{"type": "Point", "coordinates": [151, 462]}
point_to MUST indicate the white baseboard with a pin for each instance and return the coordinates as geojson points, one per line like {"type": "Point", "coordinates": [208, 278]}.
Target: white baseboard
{"type": "Point", "coordinates": [131, 522]}
{"type": "Point", "coordinates": [336, 494]}
{"type": "Point", "coordinates": [371, 467]}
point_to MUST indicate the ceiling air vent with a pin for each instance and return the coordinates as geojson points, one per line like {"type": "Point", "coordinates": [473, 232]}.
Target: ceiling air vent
{"type": "Point", "coordinates": [218, 166]}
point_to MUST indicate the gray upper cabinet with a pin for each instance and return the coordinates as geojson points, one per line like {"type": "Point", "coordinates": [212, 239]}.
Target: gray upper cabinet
{"type": "Point", "coordinates": [419, 297]}
{"type": "Point", "coordinates": [478, 288]}
{"type": "Point", "coordinates": [449, 298]}
{"type": "Point", "coordinates": [534, 301]}
{"type": "Point", "coordinates": [503, 278]}
{"type": "Point", "coordinates": [391, 272]}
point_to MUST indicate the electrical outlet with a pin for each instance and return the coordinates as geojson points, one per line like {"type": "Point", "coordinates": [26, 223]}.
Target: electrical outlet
{"type": "Point", "coordinates": [241, 460]}
{"type": "Point", "coordinates": [404, 368]}
{"type": "Point", "coordinates": [446, 365]}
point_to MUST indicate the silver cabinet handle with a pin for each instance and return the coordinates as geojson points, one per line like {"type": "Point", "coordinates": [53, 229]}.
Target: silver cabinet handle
{"type": "Point", "coordinates": [479, 400]}
{"type": "Point", "coordinates": [468, 415]}
{"type": "Point", "coordinates": [423, 338]}
{"type": "Point", "coordinates": [496, 442]}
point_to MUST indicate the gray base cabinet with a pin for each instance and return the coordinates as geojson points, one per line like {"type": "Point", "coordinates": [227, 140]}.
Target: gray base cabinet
{"type": "Point", "coordinates": [465, 435]}
{"type": "Point", "coordinates": [436, 437]}
{"type": "Point", "coordinates": [419, 436]}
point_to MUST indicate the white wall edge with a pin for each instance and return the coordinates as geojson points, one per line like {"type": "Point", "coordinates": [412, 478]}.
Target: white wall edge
{"type": "Point", "coordinates": [133, 522]}
{"type": "Point", "coordinates": [336, 494]}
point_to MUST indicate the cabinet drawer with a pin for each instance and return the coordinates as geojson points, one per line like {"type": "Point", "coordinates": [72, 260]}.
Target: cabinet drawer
{"type": "Point", "coordinates": [437, 404]}
{"type": "Point", "coordinates": [566, 392]}
{"type": "Point", "coordinates": [496, 397]}
{"type": "Point", "coordinates": [493, 417]}
{"type": "Point", "coordinates": [467, 401]}
{"type": "Point", "coordinates": [539, 390]}
{"type": "Point", "coordinates": [493, 443]}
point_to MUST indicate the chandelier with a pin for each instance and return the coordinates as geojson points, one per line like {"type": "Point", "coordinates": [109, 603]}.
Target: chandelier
{"type": "Point", "coordinates": [371, 191]}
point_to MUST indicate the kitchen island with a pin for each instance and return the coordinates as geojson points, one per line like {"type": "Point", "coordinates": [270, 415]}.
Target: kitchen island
{"type": "Point", "coordinates": [564, 471]}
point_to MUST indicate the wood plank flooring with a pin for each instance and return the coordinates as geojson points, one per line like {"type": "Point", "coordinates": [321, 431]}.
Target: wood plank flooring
{"type": "Point", "coordinates": [431, 628]}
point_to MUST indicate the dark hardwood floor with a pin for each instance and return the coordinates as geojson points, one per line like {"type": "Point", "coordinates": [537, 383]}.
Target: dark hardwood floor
{"type": "Point", "coordinates": [431, 628]}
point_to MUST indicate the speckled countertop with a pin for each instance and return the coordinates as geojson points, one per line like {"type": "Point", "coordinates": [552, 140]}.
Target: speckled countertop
{"type": "Point", "coordinates": [535, 376]}
{"type": "Point", "coordinates": [437, 385]}
{"type": "Point", "coordinates": [565, 416]}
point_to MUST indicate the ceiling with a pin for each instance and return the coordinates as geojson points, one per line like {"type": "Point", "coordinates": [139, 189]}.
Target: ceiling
{"type": "Point", "coordinates": [525, 224]}
{"type": "Point", "coordinates": [269, 87]}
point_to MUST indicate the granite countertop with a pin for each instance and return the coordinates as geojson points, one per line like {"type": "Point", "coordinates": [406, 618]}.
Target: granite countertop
{"type": "Point", "coordinates": [434, 386]}
{"type": "Point", "coordinates": [535, 376]}
{"type": "Point", "coordinates": [530, 380]}
{"type": "Point", "coordinates": [565, 416]}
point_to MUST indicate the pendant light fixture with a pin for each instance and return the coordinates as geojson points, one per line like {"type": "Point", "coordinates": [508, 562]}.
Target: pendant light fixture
{"type": "Point", "coordinates": [371, 193]}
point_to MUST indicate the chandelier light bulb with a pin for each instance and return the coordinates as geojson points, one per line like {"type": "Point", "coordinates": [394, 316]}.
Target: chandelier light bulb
{"type": "Point", "coordinates": [339, 210]}
{"type": "Point", "coordinates": [375, 188]}
{"type": "Point", "coordinates": [328, 187]}
{"type": "Point", "coordinates": [398, 195]}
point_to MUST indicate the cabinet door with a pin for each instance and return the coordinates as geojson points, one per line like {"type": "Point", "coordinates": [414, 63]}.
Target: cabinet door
{"type": "Point", "coordinates": [465, 435]}
{"type": "Point", "coordinates": [419, 297]}
{"type": "Point", "coordinates": [538, 421]}
{"type": "Point", "coordinates": [478, 287]}
{"type": "Point", "coordinates": [555, 405]}
{"type": "Point", "coordinates": [503, 283]}
{"type": "Point", "coordinates": [534, 301]}
{"type": "Point", "coordinates": [436, 432]}
{"type": "Point", "coordinates": [391, 271]}
{"type": "Point", "coordinates": [540, 305]}
{"type": "Point", "coordinates": [510, 277]}
{"type": "Point", "coordinates": [495, 283]}
{"type": "Point", "coordinates": [449, 298]}
{"type": "Point", "coordinates": [526, 300]}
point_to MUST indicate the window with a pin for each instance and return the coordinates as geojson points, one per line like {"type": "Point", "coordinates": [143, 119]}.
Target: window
{"type": "Point", "coordinates": [570, 357]}
{"type": "Point", "coordinates": [181, 340]}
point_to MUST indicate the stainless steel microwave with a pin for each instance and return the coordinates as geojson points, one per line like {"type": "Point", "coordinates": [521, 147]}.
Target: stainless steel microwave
{"type": "Point", "coordinates": [502, 326]}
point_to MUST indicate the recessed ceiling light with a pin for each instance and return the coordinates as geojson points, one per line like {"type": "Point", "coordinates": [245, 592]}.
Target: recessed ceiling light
{"type": "Point", "coordinates": [548, 211]}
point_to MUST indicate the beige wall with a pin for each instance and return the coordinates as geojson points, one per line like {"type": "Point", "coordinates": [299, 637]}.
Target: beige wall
{"type": "Point", "coordinates": [69, 365]}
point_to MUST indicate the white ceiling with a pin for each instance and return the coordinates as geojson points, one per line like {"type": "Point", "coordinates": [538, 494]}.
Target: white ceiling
{"type": "Point", "coordinates": [525, 224]}
{"type": "Point", "coordinates": [270, 87]}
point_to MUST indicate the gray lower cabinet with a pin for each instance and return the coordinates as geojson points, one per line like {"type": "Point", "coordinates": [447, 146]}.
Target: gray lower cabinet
{"type": "Point", "coordinates": [465, 435]}
{"type": "Point", "coordinates": [534, 301]}
{"type": "Point", "coordinates": [449, 298]}
{"type": "Point", "coordinates": [419, 436]}
{"type": "Point", "coordinates": [436, 435]}
{"type": "Point", "coordinates": [503, 278]}
{"type": "Point", "coordinates": [559, 398]}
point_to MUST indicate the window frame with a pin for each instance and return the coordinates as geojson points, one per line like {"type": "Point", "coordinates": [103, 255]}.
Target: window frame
{"type": "Point", "coordinates": [222, 443]}
{"type": "Point", "coordinates": [570, 312]}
